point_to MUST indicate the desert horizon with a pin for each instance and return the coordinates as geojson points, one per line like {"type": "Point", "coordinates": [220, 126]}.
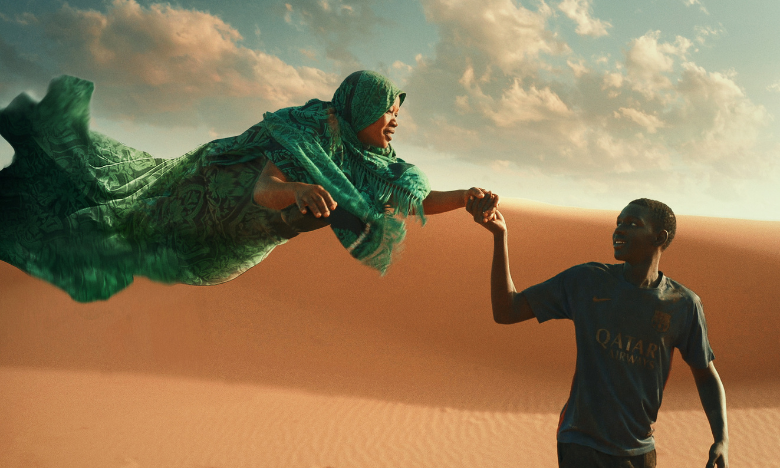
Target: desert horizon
{"type": "Point", "coordinates": [312, 360]}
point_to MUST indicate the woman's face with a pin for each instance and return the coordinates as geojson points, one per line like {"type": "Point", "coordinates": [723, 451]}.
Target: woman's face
{"type": "Point", "coordinates": [380, 133]}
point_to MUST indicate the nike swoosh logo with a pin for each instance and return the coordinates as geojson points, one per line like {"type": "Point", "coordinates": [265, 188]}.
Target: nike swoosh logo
{"type": "Point", "coordinates": [601, 299]}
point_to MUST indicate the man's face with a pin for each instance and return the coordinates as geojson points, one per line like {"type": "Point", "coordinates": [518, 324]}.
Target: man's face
{"type": "Point", "coordinates": [635, 240]}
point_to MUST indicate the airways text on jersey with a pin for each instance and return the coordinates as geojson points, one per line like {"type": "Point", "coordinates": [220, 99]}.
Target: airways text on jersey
{"type": "Point", "coordinates": [628, 349]}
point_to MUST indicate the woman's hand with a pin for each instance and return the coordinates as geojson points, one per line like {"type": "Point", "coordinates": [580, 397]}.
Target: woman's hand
{"type": "Point", "coordinates": [315, 197]}
{"type": "Point", "coordinates": [478, 208]}
{"type": "Point", "coordinates": [441, 202]}
{"type": "Point", "coordinates": [489, 208]}
{"type": "Point", "coordinates": [474, 192]}
{"type": "Point", "coordinates": [274, 191]}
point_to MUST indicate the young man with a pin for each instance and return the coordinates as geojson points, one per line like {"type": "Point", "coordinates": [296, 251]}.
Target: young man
{"type": "Point", "coordinates": [628, 318]}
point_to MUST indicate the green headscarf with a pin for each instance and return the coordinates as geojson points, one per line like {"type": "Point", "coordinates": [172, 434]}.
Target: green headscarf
{"type": "Point", "coordinates": [317, 143]}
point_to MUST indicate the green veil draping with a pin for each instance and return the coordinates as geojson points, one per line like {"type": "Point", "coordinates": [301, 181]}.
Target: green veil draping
{"type": "Point", "coordinates": [88, 213]}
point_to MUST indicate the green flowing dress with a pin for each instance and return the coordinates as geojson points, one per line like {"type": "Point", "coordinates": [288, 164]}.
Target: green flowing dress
{"type": "Point", "coordinates": [88, 213]}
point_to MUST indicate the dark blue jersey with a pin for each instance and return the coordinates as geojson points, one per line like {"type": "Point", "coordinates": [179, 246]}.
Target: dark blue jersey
{"type": "Point", "coordinates": [626, 338]}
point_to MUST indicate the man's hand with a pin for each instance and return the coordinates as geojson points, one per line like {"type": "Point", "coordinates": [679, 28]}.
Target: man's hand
{"type": "Point", "coordinates": [479, 194]}
{"type": "Point", "coordinates": [485, 213]}
{"type": "Point", "coordinates": [719, 455]}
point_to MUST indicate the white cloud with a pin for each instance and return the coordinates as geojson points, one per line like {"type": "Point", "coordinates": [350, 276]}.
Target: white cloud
{"type": "Point", "coordinates": [398, 72]}
{"type": "Point", "coordinates": [618, 151]}
{"type": "Point", "coordinates": [308, 53]}
{"type": "Point", "coordinates": [288, 13]}
{"type": "Point", "coordinates": [580, 12]}
{"type": "Point", "coordinates": [612, 80]}
{"type": "Point", "coordinates": [703, 33]}
{"type": "Point", "coordinates": [648, 62]}
{"type": "Point", "coordinates": [774, 87]}
{"type": "Point", "coordinates": [487, 61]}
{"type": "Point", "coordinates": [579, 68]}
{"type": "Point", "coordinates": [491, 94]}
{"type": "Point", "coordinates": [654, 118]}
{"type": "Point", "coordinates": [399, 65]}
{"type": "Point", "coordinates": [650, 122]}
{"type": "Point", "coordinates": [518, 105]}
{"type": "Point", "coordinates": [696, 2]}
{"type": "Point", "coordinates": [720, 125]}
{"type": "Point", "coordinates": [500, 32]}
{"type": "Point", "coordinates": [23, 19]}
{"type": "Point", "coordinates": [163, 64]}
{"type": "Point", "coordinates": [500, 165]}
{"type": "Point", "coordinates": [338, 24]}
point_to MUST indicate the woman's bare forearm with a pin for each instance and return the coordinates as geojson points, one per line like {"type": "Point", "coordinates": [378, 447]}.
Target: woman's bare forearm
{"type": "Point", "coordinates": [441, 202]}
{"type": "Point", "coordinates": [271, 192]}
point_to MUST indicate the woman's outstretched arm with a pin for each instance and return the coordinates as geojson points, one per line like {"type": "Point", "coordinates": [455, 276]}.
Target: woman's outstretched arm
{"type": "Point", "coordinates": [274, 191]}
{"type": "Point", "coordinates": [441, 202]}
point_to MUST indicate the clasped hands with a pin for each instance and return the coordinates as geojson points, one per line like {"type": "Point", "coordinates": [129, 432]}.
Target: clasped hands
{"type": "Point", "coordinates": [483, 206]}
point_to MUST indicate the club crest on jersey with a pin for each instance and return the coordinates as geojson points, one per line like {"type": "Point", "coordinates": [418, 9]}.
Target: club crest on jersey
{"type": "Point", "coordinates": [661, 321]}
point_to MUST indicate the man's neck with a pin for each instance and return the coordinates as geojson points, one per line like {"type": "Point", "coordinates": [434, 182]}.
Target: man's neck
{"type": "Point", "coordinates": [643, 275]}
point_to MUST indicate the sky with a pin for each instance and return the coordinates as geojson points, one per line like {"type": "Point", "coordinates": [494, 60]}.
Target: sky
{"type": "Point", "coordinates": [582, 103]}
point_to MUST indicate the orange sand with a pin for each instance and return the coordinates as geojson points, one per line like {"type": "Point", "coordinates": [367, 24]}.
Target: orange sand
{"type": "Point", "coordinates": [311, 360]}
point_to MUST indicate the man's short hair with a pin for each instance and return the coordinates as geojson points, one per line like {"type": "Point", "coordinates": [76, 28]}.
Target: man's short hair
{"type": "Point", "coordinates": [661, 216]}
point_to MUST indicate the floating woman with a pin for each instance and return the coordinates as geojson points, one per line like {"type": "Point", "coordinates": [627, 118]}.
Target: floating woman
{"type": "Point", "coordinates": [87, 213]}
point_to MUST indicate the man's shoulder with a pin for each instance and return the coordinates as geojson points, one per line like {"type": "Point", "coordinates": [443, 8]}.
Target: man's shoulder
{"type": "Point", "coordinates": [590, 274]}
{"type": "Point", "coordinates": [582, 274]}
{"type": "Point", "coordinates": [595, 268]}
{"type": "Point", "coordinates": [679, 292]}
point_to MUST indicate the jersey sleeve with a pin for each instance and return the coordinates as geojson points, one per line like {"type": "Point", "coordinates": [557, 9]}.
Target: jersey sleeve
{"type": "Point", "coordinates": [552, 299]}
{"type": "Point", "coordinates": [694, 345]}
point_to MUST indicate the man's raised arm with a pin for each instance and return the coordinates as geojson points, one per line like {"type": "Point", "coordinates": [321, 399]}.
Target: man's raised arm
{"type": "Point", "coordinates": [509, 306]}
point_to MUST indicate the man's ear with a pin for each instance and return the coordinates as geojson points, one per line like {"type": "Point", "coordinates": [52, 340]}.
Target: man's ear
{"type": "Point", "coordinates": [661, 238]}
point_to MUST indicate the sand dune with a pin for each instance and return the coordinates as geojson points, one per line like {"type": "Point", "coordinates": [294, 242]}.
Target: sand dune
{"type": "Point", "coordinates": [310, 360]}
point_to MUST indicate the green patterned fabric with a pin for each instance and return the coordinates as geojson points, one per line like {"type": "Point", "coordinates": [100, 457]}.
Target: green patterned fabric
{"type": "Point", "coordinates": [87, 213]}
{"type": "Point", "coordinates": [317, 144]}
